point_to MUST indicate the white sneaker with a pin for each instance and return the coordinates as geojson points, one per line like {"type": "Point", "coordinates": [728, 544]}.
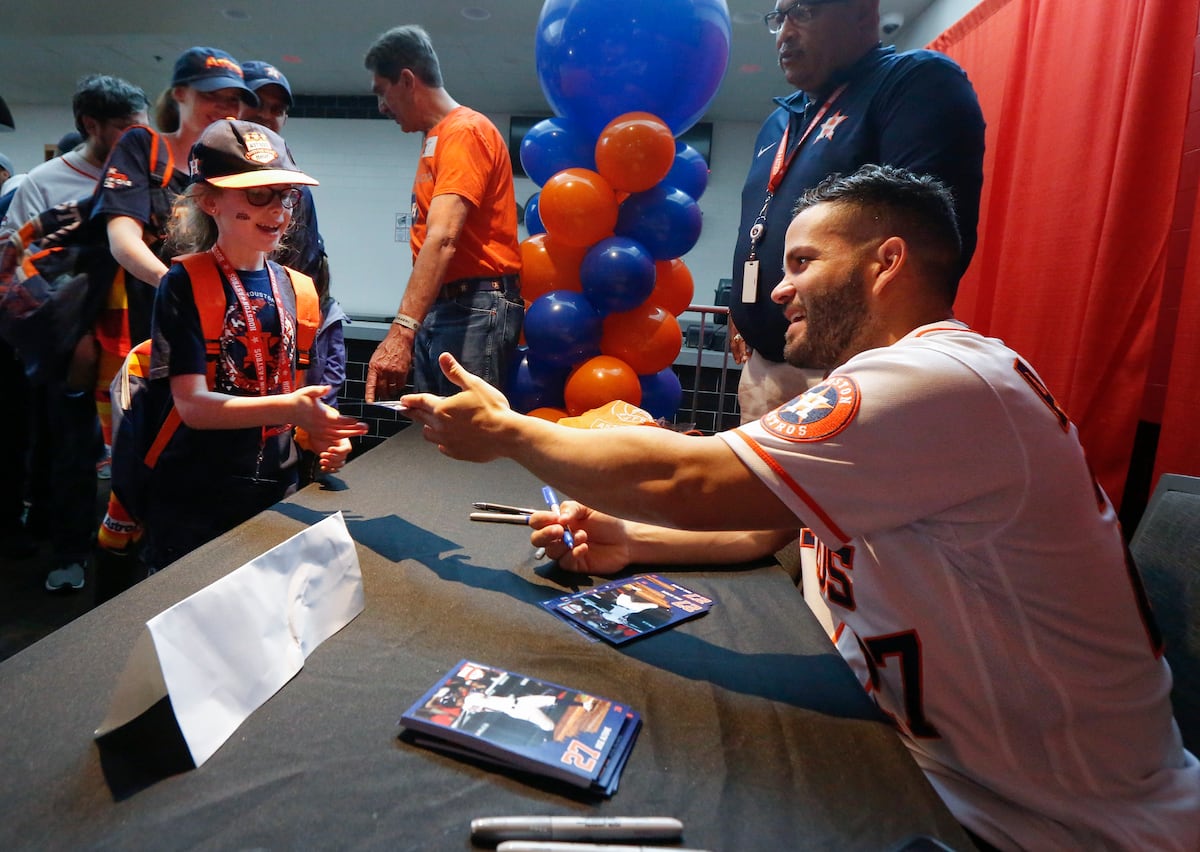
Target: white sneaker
{"type": "Point", "coordinates": [68, 577]}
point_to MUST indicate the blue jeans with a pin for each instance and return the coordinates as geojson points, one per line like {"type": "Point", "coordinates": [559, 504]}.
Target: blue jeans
{"type": "Point", "coordinates": [481, 330]}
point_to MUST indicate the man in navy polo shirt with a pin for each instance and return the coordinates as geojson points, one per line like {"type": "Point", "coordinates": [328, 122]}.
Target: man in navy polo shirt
{"type": "Point", "coordinates": [857, 102]}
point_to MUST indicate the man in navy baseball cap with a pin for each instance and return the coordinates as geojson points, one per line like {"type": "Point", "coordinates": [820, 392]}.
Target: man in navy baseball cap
{"type": "Point", "coordinates": [274, 95]}
{"type": "Point", "coordinates": [208, 69]}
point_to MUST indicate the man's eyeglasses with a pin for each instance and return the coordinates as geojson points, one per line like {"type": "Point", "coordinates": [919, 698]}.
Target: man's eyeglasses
{"type": "Point", "coordinates": [798, 13]}
{"type": "Point", "coordinates": [261, 196]}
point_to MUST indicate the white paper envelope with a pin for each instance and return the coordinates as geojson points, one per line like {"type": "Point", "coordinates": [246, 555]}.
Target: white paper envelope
{"type": "Point", "coordinates": [223, 651]}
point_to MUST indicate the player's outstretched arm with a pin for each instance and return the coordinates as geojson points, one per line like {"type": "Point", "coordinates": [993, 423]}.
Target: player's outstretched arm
{"type": "Point", "coordinates": [652, 475]}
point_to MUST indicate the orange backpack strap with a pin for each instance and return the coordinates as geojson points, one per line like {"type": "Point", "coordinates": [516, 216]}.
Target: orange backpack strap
{"type": "Point", "coordinates": [160, 155]}
{"type": "Point", "coordinates": [308, 314]}
{"type": "Point", "coordinates": [209, 295]}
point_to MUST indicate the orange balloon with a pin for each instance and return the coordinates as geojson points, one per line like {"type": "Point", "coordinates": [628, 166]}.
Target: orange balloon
{"type": "Point", "coordinates": [635, 151]}
{"type": "Point", "coordinates": [548, 264]}
{"type": "Point", "coordinates": [598, 381]}
{"type": "Point", "coordinates": [578, 207]}
{"type": "Point", "coordinates": [646, 338]}
{"type": "Point", "coordinates": [674, 288]}
{"type": "Point", "coordinates": [548, 413]}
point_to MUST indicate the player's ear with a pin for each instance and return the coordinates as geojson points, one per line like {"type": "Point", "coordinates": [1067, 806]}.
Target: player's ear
{"type": "Point", "coordinates": [890, 256]}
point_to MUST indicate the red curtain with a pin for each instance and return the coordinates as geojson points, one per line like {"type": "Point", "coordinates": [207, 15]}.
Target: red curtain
{"type": "Point", "coordinates": [1086, 105]}
{"type": "Point", "coordinates": [1179, 441]}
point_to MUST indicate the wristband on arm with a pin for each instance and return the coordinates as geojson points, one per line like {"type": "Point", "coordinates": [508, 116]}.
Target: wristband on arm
{"type": "Point", "coordinates": [407, 321]}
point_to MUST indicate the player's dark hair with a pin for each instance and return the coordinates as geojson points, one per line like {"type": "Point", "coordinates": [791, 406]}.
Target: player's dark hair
{"type": "Point", "coordinates": [896, 202]}
{"type": "Point", "coordinates": [404, 47]}
{"type": "Point", "coordinates": [105, 98]}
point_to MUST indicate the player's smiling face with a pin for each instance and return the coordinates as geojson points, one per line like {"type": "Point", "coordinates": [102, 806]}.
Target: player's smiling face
{"type": "Point", "coordinates": [823, 292]}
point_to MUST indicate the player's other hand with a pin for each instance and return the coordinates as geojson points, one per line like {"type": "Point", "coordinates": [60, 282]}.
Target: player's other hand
{"type": "Point", "coordinates": [464, 426]}
{"type": "Point", "coordinates": [601, 541]}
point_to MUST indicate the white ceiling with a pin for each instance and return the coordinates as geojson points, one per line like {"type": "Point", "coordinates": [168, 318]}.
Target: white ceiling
{"type": "Point", "coordinates": [319, 44]}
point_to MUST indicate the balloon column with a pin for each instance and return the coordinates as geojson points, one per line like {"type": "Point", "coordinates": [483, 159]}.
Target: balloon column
{"type": "Point", "coordinates": [601, 270]}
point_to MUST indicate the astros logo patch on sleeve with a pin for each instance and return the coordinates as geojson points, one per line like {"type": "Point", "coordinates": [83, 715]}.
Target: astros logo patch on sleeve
{"type": "Point", "coordinates": [817, 415]}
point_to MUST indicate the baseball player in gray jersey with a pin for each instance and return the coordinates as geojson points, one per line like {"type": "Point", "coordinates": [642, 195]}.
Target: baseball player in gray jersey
{"type": "Point", "coordinates": [975, 572]}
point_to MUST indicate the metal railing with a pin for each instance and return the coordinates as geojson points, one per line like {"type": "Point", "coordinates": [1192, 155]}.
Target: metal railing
{"type": "Point", "coordinates": [719, 358]}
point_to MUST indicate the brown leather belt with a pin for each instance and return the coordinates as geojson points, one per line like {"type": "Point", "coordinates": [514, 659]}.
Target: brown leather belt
{"type": "Point", "coordinates": [464, 286]}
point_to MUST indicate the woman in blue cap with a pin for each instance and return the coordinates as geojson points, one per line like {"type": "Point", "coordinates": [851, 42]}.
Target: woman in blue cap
{"type": "Point", "coordinates": [143, 176]}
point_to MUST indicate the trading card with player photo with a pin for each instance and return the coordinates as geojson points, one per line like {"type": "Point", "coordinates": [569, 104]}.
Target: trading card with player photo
{"type": "Point", "coordinates": [522, 723]}
{"type": "Point", "coordinates": [622, 610]}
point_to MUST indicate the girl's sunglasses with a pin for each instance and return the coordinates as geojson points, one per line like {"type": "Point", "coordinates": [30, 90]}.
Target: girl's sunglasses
{"type": "Point", "coordinates": [261, 196]}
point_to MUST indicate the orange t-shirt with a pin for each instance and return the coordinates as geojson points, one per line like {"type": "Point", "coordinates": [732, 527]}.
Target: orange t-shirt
{"type": "Point", "coordinates": [465, 155]}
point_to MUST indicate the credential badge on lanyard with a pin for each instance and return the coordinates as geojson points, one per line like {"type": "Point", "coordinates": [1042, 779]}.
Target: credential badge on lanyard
{"type": "Point", "coordinates": [783, 161]}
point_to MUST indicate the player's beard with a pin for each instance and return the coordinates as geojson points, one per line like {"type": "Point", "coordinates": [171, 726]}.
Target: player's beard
{"type": "Point", "coordinates": [833, 320]}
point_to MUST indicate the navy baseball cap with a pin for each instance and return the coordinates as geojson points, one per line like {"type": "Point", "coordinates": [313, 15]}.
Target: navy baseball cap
{"type": "Point", "coordinates": [235, 154]}
{"type": "Point", "coordinates": [208, 69]}
{"type": "Point", "coordinates": [259, 74]}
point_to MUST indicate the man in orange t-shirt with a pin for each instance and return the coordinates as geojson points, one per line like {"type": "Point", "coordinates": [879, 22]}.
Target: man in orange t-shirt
{"type": "Point", "coordinates": [463, 295]}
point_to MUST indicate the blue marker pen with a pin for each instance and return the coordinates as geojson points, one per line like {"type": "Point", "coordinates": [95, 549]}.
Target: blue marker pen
{"type": "Point", "coordinates": [552, 502]}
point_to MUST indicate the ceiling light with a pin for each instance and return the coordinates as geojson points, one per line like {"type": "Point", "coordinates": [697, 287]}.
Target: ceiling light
{"type": "Point", "coordinates": [747, 18]}
{"type": "Point", "coordinates": [475, 13]}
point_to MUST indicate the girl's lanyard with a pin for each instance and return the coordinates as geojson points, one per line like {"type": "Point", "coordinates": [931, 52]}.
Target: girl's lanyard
{"type": "Point", "coordinates": [779, 168]}
{"type": "Point", "coordinates": [256, 340]}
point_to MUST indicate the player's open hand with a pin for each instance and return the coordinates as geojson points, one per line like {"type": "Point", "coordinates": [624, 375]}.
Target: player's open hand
{"type": "Point", "coordinates": [601, 541]}
{"type": "Point", "coordinates": [461, 425]}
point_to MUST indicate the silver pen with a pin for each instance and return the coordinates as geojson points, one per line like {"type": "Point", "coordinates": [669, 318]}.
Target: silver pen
{"type": "Point", "coordinates": [492, 829]}
{"type": "Point", "coordinates": [499, 518]}
{"type": "Point", "coordinates": [502, 507]}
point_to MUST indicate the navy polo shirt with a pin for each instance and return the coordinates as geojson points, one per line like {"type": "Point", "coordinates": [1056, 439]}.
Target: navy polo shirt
{"type": "Point", "coordinates": [916, 110]}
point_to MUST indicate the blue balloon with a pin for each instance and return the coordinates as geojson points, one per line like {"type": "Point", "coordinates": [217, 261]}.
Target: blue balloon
{"type": "Point", "coordinates": [663, 219]}
{"type": "Point", "coordinates": [689, 173]}
{"type": "Point", "coordinates": [534, 384]}
{"type": "Point", "coordinates": [533, 221]}
{"type": "Point", "coordinates": [562, 328]}
{"type": "Point", "coordinates": [661, 393]}
{"type": "Point", "coordinates": [617, 274]}
{"type": "Point", "coordinates": [598, 59]}
{"type": "Point", "coordinates": [555, 144]}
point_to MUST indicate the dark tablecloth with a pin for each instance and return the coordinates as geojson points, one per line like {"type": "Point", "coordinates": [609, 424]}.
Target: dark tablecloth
{"type": "Point", "coordinates": [755, 732]}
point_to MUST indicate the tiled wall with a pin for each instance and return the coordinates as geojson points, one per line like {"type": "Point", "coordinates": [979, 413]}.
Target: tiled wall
{"type": "Point", "coordinates": [383, 423]}
{"type": "Point", "coordinates": [335, 106]}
